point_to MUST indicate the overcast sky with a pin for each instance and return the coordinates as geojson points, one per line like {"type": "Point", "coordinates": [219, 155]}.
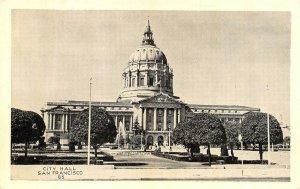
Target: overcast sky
{"type": "Point", "coordinates": [221, 58]}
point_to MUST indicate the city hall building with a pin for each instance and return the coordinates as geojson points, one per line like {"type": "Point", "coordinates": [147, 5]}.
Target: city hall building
{"type": "Point", "coordinates": [147, 97]}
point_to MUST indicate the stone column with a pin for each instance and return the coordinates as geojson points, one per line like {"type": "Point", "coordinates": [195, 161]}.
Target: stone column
{"type": "Point", "coordinates": [116, 122]}
{"type": "Point", "coordinates": [154, 119]}
{"type": "Point", "coordinates": [175, 118]}
{"type": "Point", "coordinates": [165, 119]}
{"type": "Point", "coordinates": [130, 125]}
{"type": "Point", "coordinates": [145, 118]}
{"type": "Point", "coordinates": [179, 115]}
{"type": "Point", "coordinates": [53, 121]}
{"type": "Point", "coordinates": [140, 116]}
{"type": "Point", "coordinates": [67, 123]}
{"type": "Point", "coordinates": [50, 124]}
{"type": "Point", "coordinates": [123, 121]}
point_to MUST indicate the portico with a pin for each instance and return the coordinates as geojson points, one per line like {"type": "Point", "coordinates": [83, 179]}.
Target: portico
{"type": "Point", "coordinates": [160, 114]}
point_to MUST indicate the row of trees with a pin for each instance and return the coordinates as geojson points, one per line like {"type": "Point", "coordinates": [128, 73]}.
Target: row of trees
{"type": "Point", "coordinates": [207, 129]}
{"type": "Point", "coordinates": [202, 129]}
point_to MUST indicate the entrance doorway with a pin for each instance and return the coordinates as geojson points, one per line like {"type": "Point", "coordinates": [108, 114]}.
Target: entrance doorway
{"type": "Point", "coordinates": [160, 140]}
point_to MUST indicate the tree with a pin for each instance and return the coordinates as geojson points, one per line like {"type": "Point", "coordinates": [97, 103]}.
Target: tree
{"type": "Point", "coordinates": [26, 127]}
{"type": "Point", "coordinates": [103, 128]}
{"type": "Point", "coordinates": [232, 133]}
{"type": "Point", "coordinates": [204, 129]}
{"type": "Point", "coordinates": [254, 130]}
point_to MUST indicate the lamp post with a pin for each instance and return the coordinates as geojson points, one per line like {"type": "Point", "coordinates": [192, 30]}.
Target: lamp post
{"type": "Point", "coordinates": [241, 141]}
{"type": "Point", "coordinates": [119, 137]}
{"type": "Point", "coordinates": [141, 139]}
{"type": "Point", "coordinates": [169, 127]}
{"type": "Point", "coordinates": [89, 129]}
{"type": "Point", "coordinates": [269, 153]}
{"type": "Point", "coordinates": [268, 128]}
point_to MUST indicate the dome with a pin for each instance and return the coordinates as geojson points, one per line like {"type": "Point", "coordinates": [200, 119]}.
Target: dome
{"type": "Point", "coordinates": [148, 53]}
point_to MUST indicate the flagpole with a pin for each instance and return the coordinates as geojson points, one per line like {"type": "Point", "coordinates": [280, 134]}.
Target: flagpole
{"type": "Point", "coordinates": [89, 129]}
{"type": "Point", "coordinates": [269, 152]}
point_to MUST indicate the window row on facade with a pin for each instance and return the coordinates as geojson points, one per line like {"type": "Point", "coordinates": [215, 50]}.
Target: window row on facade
{"type": "Point", "coordinates": [215, 111]}
{"type": "Point", "coordinates": [149, 81]}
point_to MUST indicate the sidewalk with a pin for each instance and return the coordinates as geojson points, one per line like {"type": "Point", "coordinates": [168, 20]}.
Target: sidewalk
{"type": "Point", "coordinates": [93, 172]}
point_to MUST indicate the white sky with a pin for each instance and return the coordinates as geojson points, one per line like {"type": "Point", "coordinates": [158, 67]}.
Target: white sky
{"type": "Point", "coordinates": [225, 58]}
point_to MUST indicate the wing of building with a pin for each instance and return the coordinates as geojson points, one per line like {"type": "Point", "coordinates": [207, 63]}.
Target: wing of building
{"type": "Point", "coordinates": [147, 97]}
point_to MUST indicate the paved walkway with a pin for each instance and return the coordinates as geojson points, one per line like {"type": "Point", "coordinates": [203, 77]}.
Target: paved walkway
{"type": "Point", "coordinates": [151, 161]}
{"type": "Point", "coordinates": [103, 172]}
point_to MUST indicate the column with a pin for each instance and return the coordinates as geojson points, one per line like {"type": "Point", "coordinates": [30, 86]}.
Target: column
{"type": "Point", "coordinates": [144, 118]}
{"type": "Point", "coordinates": [53, 121]}
{"type": "Point", "coordinates": [66, 125]}
{"type": "Point", "coordinates": [62, 122]}
{"type": "Point", "coordinates": [130, 125]}
{"type": "Point", "coordinates": [50, 125]}
{"type": "Point", "coordinates": [123, 121]}
{"type": "Point", "coordinates": [179, 115]}
{"type": "Point", "coordinates": [140, 116]}
{"type": "Point", "coordinates": [154, 120]}
{"type": "Point", "coordinates": [175, 118]}
{"type": "Point", "coordinates": [116, 122]}
{"type": "Point", "coordinates": [165, 119]}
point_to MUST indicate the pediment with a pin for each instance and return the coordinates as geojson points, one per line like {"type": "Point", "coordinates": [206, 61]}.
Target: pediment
{"type": "Point", "coordinates": [161, 98]}
{"type": "Point", "coordinates": [58, 108]}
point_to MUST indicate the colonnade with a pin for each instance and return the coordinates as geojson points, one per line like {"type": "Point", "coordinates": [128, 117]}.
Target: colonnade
{"type": "Point", "coordinates": [176, 117]}
{"type": "Point", "coordinates": [65, 120]}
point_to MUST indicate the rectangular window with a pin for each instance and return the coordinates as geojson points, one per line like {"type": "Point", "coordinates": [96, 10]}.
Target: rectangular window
{"type": "Point", "coordinates": [151, 81]}
{"type": "Point", "coordinates": [133, 82]}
